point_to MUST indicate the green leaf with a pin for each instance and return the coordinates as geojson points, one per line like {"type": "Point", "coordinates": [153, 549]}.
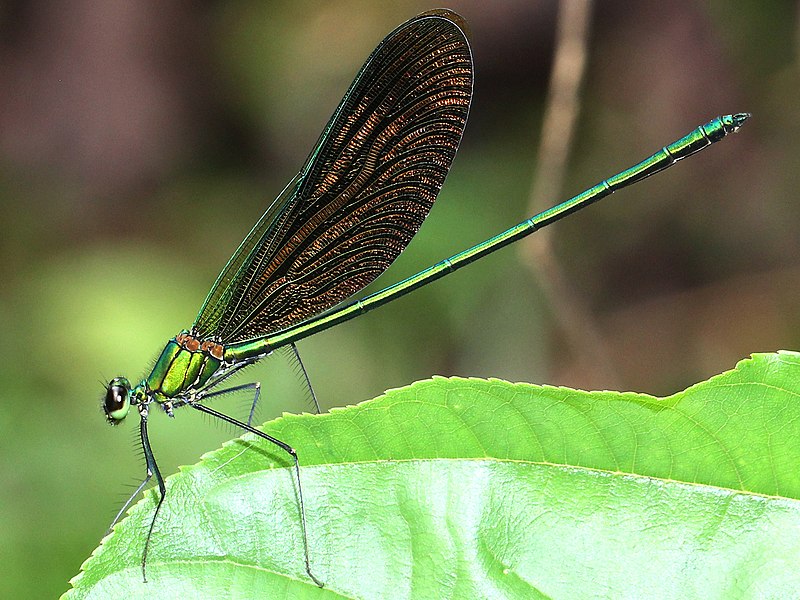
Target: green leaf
{"type": "Point", "coordinates": [467, 488]}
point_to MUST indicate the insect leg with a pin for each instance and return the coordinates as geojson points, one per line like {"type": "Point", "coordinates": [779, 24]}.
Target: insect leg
{"type": "Point", "coordinates": [232, 370]}
{"type": "Point", "coordinates": [256, 386]}
{"type": "Point", "coordinates": [293, 346]}
{"type": "Point", "coordinates": [128, 502]}
{"type": "Point", "coordinates": [152, 469]}
{"type": "Point", "coordinates": [291, 452]}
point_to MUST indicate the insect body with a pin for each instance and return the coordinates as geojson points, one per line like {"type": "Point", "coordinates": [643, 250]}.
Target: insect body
{"type": "Point", "coordinates": [362, 194]}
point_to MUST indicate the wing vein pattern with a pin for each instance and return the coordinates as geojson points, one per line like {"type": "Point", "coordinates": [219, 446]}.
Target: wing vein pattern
{"type": "Point", "coordinates": [362, 194]}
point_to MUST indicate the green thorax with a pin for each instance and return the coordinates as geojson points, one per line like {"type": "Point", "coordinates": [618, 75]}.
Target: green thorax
{"type": "Point", "coordinates": [186, 363]}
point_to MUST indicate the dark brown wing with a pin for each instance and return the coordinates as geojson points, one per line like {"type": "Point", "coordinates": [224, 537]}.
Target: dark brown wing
{"type": "Point", "coordinates": [364, 190]}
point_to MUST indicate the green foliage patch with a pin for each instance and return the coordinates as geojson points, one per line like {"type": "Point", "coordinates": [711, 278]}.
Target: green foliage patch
{"type": "Point", "coordinates": [468, 488]}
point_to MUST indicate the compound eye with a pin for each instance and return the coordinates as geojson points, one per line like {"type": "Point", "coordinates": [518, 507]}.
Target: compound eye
{"type": "Point", "coordinates": [117, 402]}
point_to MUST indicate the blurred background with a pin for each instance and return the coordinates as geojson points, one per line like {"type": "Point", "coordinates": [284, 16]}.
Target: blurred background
{"type": "Point", "coordinates": [140, 141]}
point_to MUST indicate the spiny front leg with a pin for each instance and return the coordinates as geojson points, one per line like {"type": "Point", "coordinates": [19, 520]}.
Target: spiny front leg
{"type": "Point", "coordinates": [152, 469]}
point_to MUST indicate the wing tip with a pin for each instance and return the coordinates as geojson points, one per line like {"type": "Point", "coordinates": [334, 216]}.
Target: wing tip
{"type": "Point", "coordinates": [449, 15]}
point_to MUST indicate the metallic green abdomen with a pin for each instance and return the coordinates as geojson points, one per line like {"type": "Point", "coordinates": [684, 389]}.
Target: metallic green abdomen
{"type": "Point", "coordinates": [184, 364]}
